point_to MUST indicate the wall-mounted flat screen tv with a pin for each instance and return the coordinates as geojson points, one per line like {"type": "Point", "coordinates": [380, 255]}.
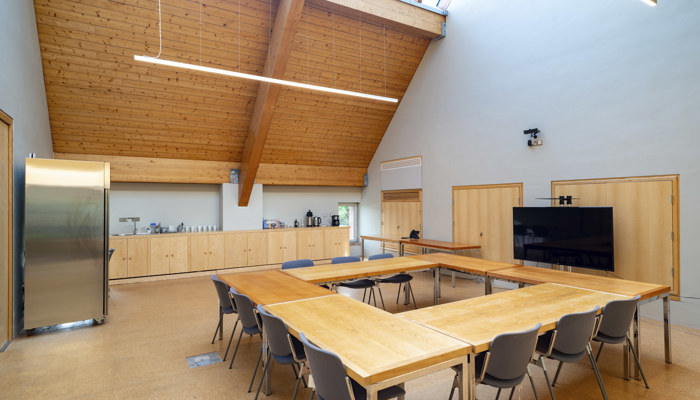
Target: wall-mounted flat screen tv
{"type": "Point", "coordinates": [570, 236]}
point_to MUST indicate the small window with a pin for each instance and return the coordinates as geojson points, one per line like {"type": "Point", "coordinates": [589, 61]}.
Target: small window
{"type": "Point", "coordinates": [348, 217]}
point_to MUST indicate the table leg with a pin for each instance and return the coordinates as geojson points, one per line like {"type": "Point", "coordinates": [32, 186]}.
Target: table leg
{"type": "Point", "coordinates": [372, 392]}
{"type": "Point", "coordinates": [436, 284]}
{"type": "Point", "coordinates": [362, 249]}
{"type": "Point", "coordinates": [468, 380]}
{"type": "Point", "coordinates": [667, 328]}
{"type": "Point", "coordinates": [267, 387]}
{"type": "Point", "coordinates": [400, 249]}
{"type": "Point", "coordinates": [488, 285]}
{"type": "Point", "coordinates": [635, 340]}
{"type": "Point", "coordinates": [403, 396]}
{"type": "Point", "coordinates": [453, 273]}
{"type": "Point", "coordinates": [221, 323]}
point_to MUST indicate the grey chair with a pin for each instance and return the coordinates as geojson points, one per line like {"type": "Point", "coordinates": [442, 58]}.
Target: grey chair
{"type": "Point", "coordinates": [226, 306]}
{"type": "Point", "coordinates": [506, 362]}
{"type": "Point", "coordinates": [283, 348]}
{"type": "Point", "coordinates": [402, 279]}
{"type": "Point", "coordinates": [360, 283]}
{"type": "Point", "coordinates": [250, 325]}
{"type": "Point", "coordinates": [615, 325]}
{"type": "Point", "coordinates": [297, 264]}
{"type": "Point", "coordinates": [570, 341]}
{"type": "Point", "coordinates": [331, 380]}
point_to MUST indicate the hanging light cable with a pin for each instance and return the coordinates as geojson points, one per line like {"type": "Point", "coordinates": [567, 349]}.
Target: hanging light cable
{"type": "Point", "coordinates": [201, 68]}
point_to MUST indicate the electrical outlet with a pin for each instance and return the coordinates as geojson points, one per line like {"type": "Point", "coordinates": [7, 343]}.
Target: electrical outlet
{"type": "Point", "coordinates": [122, 219]}
{"type": "Point", "coordinates": [534, 142]}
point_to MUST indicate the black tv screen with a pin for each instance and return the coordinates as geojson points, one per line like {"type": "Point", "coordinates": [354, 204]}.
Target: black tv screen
{"type": "Point", "coordinates": [570, 236]}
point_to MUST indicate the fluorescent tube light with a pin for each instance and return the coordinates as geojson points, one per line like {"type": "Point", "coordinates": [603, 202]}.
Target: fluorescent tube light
{"type": "Point", "coordinates": [262, 78]}
{"type": "Point", "coordinates": [649, 2]}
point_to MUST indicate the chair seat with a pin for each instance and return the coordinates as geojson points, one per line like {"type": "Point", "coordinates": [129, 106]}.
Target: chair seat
{"type": "Point", "coordinates": [601, 337]}
{"type": "Point", "coordinates": [253, 330]}
{"type": "Point", "coordinates": [227, 310]}
{"type": "Point", "coordinates": [399, 278]}
{"type": "Point", "coordinates": [358, 284]}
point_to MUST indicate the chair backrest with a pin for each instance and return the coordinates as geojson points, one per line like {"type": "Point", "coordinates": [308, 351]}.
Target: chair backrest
{"type": "Point", "coordinates": [222, 291]}
{"type": "Point", "coordinates": [246, 310]}
{"type": "Point", "coordinates": [328, 372]}
{"type": "Point", "coordinates": [574, 331]}
{"type": "Point", "coordinates": [297, 264]}
{"type": "Point", "coordinates": [511, 353]}
{"type": "Point", "coordinates": [617, 317]}
{"type": "Point", "coordinates": [345, 259]}
{"type": "Point", "coordinates": [109, 255]}
{"type": "Point", "coordinates": [380, 256]}
{"type": "Point", "coordinates": [276, 332]}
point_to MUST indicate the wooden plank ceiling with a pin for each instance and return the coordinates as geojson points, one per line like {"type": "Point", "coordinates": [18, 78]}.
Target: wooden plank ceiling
{"type": "Point", "coordinates": [103, 105]}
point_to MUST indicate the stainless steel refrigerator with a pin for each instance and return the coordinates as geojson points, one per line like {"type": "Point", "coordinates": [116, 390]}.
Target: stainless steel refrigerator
{"type": "Point", "coordinates": [65, 239]}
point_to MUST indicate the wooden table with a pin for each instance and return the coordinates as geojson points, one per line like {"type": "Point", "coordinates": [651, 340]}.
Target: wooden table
{"type": "Point", "coordinates": [379, 238]}
{"type": "Point", "coordinates": [437, 245]}
{"type": "Point", "coordinates": [470, 265]}
{"type": "Point", "coordinates": [378, 349]}
{"type": "Point", "coordinates": [646, 291]}
{"type": "Point", "coordinates": [330, 273]}
{"type": "Point", "coordinates": [477, 321]}
{"type": "Point", "coordinates": [273, 286]}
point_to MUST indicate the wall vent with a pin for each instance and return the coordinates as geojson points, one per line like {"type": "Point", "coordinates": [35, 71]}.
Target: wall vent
{"type": "Point", "coordinates": [405, 173]}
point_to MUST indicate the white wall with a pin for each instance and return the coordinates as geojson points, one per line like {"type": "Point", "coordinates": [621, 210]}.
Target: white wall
{"type": "Point", "coordinates": [613, 86]}
{"type": "Point", "coordinates": [235, 218]}
{"type": "Point", "coordinates": [164, 203]}
{"type": "Point", "coordinates": [288, 203]}
{"type": "Point", "coordinates": [22, 97]}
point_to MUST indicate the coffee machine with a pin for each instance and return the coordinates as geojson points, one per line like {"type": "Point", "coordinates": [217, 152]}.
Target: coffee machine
{"type": "Point", "coordinates": [335, 220]}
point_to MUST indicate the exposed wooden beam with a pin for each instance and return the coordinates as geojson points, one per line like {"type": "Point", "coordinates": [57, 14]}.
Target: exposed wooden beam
{"type": "Point", "coordinates": [168, 170]}
{"type": "Point", "coordinates": [280, 47]}
{"type": "Point", "coordinates": [399, 14]}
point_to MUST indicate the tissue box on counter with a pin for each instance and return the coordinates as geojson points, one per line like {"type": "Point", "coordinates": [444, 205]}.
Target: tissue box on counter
{"type": "Point", "coordinates": [271, 224]}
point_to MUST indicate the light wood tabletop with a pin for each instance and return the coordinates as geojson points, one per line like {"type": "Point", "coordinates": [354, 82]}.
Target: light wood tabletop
{"type": "Point", "coordinates": [535, 275]}
{"type": "Point", "coordinates": [376, 347]}
{"type": "Point", "coordinates": [440, 245]}
{"type": "Point", "coordinates": [477, 266]}
{"type": "Point", "coordinates": [273, 286]}
{"type": "Point", "coordinates": [479, 320]}
{"type": "Point", "coordinates": [382, 238]}
{"type": "Point", "coordinates": [342, 272]}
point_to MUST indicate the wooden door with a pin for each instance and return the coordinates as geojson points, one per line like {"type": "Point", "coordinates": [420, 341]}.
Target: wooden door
{"type": "Point", "coordinates": [179, 254]}
{"type": "Point", "coordinates": [118, 263]}
{"type": "Point", "coordinates": [257, 248]}
{"type": "Point", "coordinates": [483, 215]}
{"type": "Point", "coordinates": [236, 250]}
{"type": "Point", "coordinates": [199, 253]}
{"type": "Point", "coordinates": [402, 213]}
{"type": "Point", "coordinates": [5, 229]}
{"type": "Point", "coordinates": [304, 244]}
{"type": "Point", "coordinates": [216, 251]}
{"type": "Point", "coordinates": [160, 256]}
{"type": "Point", "coordinates": [137, 257]}
{"type": "Point", "coordinates": [644, 223]}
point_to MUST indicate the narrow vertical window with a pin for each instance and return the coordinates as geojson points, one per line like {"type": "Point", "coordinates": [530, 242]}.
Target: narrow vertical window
{"type": "Point", "coordinates": [348, 217]}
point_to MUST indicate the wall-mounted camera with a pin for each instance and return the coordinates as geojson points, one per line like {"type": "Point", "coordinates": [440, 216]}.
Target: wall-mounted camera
{"type": "Point", "coordinates": [533, 141]}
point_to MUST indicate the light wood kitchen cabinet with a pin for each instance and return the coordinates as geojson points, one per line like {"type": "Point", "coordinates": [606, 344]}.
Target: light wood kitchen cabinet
{"type": "Point", "coordinates": [310, 244]}
{"type": "Point", "coordinates": [206, 252]}
{"type": "Point", "coordinates": [281, 246]}
{"type": "Point", "coordinates": [117, 264]}
{"type": "Point", "coordinates": [244, 249]}
{"type": "Point", "coordinates": [137, 257]}
{"type": "Point", "coordinates": [169, 255]}
{"type": "Point", "coordinates": [337, 242]}
{"type": "Point", "coordinates": [257, 248]}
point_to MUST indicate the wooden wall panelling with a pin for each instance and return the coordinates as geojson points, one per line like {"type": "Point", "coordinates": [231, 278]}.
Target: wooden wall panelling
{"type": "Point", "coordinates": [6, 228]}
{"type": "Point", "coordinates": [645, 214]}
{"type": "Point", "coordinates": [483, 215]}
{"type": "Point", "coordinates": [402, 213]}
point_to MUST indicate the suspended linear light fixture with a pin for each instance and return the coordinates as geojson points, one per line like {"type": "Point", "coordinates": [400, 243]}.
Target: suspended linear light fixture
{"type": "Point", "coordinates": [649, 2]}
{"type": "Point", "coordinates": [201, 68]}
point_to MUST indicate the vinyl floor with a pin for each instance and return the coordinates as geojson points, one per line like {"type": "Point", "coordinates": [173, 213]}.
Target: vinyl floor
{"type": "Point", "coordinates": [141, 352]}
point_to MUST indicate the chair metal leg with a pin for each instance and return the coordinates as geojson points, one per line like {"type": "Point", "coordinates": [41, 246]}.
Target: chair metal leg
{"type": "Point", "coordinates": [599, 350]}
{"type": "Point", "coordinates": [233, 357]}
{"type": "Point", "coordinates": [454, 386]}
{"type": "Point", "coordinates": [255, 371]}
{"type": "Point", "coordinates": [300, 376]}
{"type": "Point", "coordinates": [410, 290]}
{"type": "Point", "coordinates": [498, 394]}
{"type": "Point", "coordinates": [398, 293]}
{"type": "Point", "coordinates": [381, 297]}
{"type": "Point", "coordinates": [230, 339]}
{"type": "Point", "coordinates": [597, 373]}
{"type": "Point", "coordinates": [532, 383]}
{"type": "Point", "coordinates": [365, 294]}
{"type": "Point", "coordinates": [313, 392]}
{"type": "Point", "coordinates": [636, 359]}
{"type": "Point", "coordinates": [512, 392]}
{"type": "Point", "coordinates": [372, 295]}
{"type": "Point", "coordinates": [546, 376]}
{"type": "Point", "coordinates": [218, 325]}
{"type": "Point", "coordinates": [556, 376]}
{"type": "Point", "coordinates": [262, 378]}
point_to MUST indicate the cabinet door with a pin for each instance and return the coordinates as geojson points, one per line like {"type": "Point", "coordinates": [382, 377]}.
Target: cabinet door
{"type": "Point", "coordinates": [289, 250]}
{"type": "Point", "coordinates": [343, 238]}
{"type": "Point", "coordinates": [235, 250]}
{"type": "Point", "coordinates": [179, 254]}
{"type": "Point", "coordinates": [160, 256]}
{"type": "Point", "coordinates": [216, 251]}
{"type": "Point", "coordinates": [257, 247]}
{"type": "Point", "coordinates": [199, 252]}
{"type": "Point", "coordinates": [275, 247]}
{"type": "Point", "coordinates": [117, 265]}
{"type": "Point", "coordinates": [304, 244]}
{"type": "Point", "coordinates": [137, 260]}
{"type": "Point", "coordinates": [330, 243]}
{"type": "Point", "coordinates": [317, 244]}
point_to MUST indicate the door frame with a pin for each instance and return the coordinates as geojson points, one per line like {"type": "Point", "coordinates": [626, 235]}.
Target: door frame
{"type": "Point", "coordinates": [10, 266]}
{"type": "Point", "coordinates": [673, 178]}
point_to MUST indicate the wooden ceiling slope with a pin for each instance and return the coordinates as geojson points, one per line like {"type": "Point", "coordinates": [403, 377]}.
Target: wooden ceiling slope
{"type": "Point", "coordinates": [162, 124]}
